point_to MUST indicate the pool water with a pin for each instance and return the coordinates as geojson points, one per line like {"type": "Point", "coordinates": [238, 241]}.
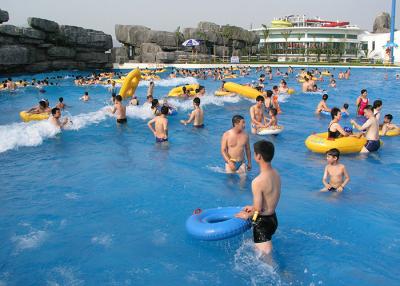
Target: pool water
{"type": "Point", "coordinates": [101, 204]}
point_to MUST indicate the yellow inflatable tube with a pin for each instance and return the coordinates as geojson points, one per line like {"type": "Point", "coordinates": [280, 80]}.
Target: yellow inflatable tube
{"type": "Point", "coordinates": [130, 83]}
{"type": "Point", "coordinates": [319, 143]}
{"type": "Point", "coordinates": [230, 76]}
{"type": "Point", "coordinates": [178, 91]}
{"type": "Point", "coordinates": [26, 117]}
{"type": "Point", "coordinates": [243, 90]}
{"type": "Point", "coordinates": [223, 93]}
{"type": "Point", "coordinates": [393, 132]}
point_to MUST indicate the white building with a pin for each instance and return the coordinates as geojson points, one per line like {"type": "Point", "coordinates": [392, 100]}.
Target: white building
{"type": "Point", "coordinates": [299, 38]}
{"type": "Point", "coordinates": [376, 46]}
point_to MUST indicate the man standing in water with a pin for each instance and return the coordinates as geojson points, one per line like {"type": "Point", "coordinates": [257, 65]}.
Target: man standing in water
{"type": "Point", "coordinates": [120, 109]}
{"type": "Point", "coordinates": [257, 115]}
{"type": "Point", "coordinates": [266, 188]}
{"type": "Point", "coordinates": [234, 143]}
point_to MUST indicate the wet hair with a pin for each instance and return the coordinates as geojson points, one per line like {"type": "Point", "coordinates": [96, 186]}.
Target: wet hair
{"type": "Point", "coordinates": [363, 91]}
{"type": "Point", "coordinates": [262, 75]}
{"type": "Point", "coordinates": [54, 110]}
{"type": "Point", "coordinates": [201, 87]}
{"type": "Point", "coordinates": [196, 101]}
{"type": "Point", "coordinates": [389, 117]}
{"type": "Point", "coordinates": [197, 90]}
{"type": "Point", "coordinates": [43, 103]}
{"type": "Point", "coordinates": [266, 149]}
{"type": "Point", "coordinates": [334, 153]}
{"type": "Point", "coordinates": [260, 98]}
{"type": "Point", "coordinates": [273, 111]}
{"type": "Point", "coordinates": [86, 93]}
{"type": "Point", "coordinates": [154, 102]}
{"type": "Point", "coordinates": [275, 87]}
{"type": "Point", "coordinates": [61, 99]}
{"type": "Point", "coordinates": [236, 119]}
{"type": "Point", "coordinates": [369, 107]}
{"type": "Point", "coordinates": [346, 105]}
{"type": "Point", "coordinates": [183, 88]}
{"type": "Point", "coordinates": [334, 112]}
{"type": "Point", "coordinates": [377, 103]}
{"type": "Point", "coordinates": [113, 94]}
{"type": "Point", "coordinates": [325, 97]}
{"type": "Point", "coordinates": [269, 93]}
{"type": "Point", "coordinates": [164, 110]}
{"type": "Point", "coordinates": [118, 98]}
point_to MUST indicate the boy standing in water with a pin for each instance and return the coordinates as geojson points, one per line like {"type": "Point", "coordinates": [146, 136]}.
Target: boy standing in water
{"type": "Point", "coordinates": [197, 115]}
{"type": "Point", "coordinates": [120, 109]}
{"type": "Point", "coordinates": [266, 188]}
{"type": "Point", "coordinates": [160, 129]}
{"type": "Point", "coordinates": [336, 172]}
{"type": "Point", "coordinates": [257, 115]}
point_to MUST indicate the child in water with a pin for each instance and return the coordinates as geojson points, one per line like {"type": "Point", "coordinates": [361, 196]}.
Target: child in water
{"type": "Point", "coordinates": [387, 124]}
{"type": "Point", "coordinates": [85, 97]}
{"type": "Point", "coordinates": [160, 129]}
{"type": "Point", "coordinates": [345, 109]}
{"type": "Point", "coordinates": [337, 173]}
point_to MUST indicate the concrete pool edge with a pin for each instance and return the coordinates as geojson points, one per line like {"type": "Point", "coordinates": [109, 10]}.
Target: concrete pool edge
{"type": "Point", "coordinates": [199, 66]}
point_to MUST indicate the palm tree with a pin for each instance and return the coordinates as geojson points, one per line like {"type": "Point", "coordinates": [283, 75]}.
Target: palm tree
{"type": "Point", "coordinates": [286, 35]}
{"type": "Point", "coordinates": [266, 33]}
{"type": "Point", "coordinates": [178, 36]}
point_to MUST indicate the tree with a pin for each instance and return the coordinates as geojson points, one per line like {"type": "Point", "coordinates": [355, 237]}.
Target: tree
{"type": "Point", "coordinates": [226, 35]}
{"type": "Point", "coordinates": [178, 36]}
{"type": "Point", "coordinates": [266, 33]}
{"type": "Point", "coordinates": [286, 34]}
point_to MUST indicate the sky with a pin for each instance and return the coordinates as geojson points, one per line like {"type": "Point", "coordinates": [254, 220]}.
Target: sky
{"type": "Point", "coordinates": [167, 15]}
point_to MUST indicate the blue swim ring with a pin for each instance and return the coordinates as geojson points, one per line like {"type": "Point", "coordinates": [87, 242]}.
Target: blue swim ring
{"type": "Point", "coordinates": [216, 224]}
{"type": "Point", "coordinates": [324, 112]}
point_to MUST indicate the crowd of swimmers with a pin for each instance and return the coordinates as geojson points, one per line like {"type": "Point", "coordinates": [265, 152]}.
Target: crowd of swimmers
{"type": "Point", "coordinates": [235, 143]}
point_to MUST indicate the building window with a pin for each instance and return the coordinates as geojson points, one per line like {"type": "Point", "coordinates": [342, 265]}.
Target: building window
{"type": "Point", "coordinates": [335, 36]}
{"type": "Point", "coordinates": [352, 37]}
{"type": "Point", "coordinates": [373, 45]}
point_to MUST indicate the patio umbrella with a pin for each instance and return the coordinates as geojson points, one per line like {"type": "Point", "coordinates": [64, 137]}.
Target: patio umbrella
{"type": "Point", "coordinates": [390, 45]}
{"type": "Point", "coordinates": [191, 43]}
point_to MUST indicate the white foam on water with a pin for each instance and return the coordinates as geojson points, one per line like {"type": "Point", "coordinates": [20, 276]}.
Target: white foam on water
{"type": "Point", "coordinates": [102, 239]}
{"type": "Point", "coordinates": [205, 100]}
{"type": "Point", "coordinates": [217, 169]}
{"type": "Point", "coordinates": [72, 196]}
{"type": "Point", "coordinates": [141, 112]}
{"type": "Point", "coordinates": [159, 238]}
{"type": "Point", "coordinates": [250, 265]}
{"type": "Point", "coordinates": [170, 82]}
{"type": "Point", "coordinates": [29, 241]}
{"type": "Point", "coordinates": [35, 132]}
{"type": "Point", "coordinates": [25, 134]}
{"type": "Point", "coordinates": [62, 275]}
{"type": "Point", "coordinates": [316, 236]}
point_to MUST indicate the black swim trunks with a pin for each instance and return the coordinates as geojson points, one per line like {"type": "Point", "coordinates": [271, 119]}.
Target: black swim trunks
{"type": "Point", "coordinates": [122, 120]}
{"type": "Point", "coordinates": [373, 145]}
{"type": "Point", "coordinates": [264, 227]}
{"type": "Point", "coordinates": [199, 126]}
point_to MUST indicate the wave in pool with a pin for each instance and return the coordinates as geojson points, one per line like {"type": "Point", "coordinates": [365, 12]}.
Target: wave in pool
{"type": "Point", "coordinates": [29, 241]}
{"type": "Point", "coordinates": [208, 99]}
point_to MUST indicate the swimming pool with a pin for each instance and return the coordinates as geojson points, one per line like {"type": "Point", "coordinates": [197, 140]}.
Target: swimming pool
{"type": "Point", "coordinates": [101, 204]}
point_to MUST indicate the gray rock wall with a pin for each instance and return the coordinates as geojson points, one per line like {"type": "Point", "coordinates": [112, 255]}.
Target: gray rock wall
{"type": "Point", "coordinates": [382, 23]}
{"type": "Point", "coordinates": [145, 45]}
{"type": "Point", "coordinates": [46, 46]}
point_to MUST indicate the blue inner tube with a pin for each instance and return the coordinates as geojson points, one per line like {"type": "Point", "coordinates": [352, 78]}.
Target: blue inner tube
{"type": "Point", "coordinates": [217, 224]}
{"type": "Point", "coordinates": [329, 114]}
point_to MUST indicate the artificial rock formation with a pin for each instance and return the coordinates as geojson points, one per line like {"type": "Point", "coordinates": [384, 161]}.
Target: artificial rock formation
{"type": "Point", "coordinates": [141, 44]}
{"type": "Point", "coordinates": [46, 46]}
{"type": "Point", "coordinates": [382, 23]}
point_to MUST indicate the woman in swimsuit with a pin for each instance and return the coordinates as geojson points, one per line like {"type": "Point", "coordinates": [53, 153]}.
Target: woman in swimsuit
{"type": "Point", "coordinates": [334, 128]}
{"type": "Point", "coordinates": [362, 102]}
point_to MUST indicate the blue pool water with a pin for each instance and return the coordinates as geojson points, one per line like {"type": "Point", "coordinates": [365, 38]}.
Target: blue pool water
{"type": "Point", "coordinates": [100, 204]}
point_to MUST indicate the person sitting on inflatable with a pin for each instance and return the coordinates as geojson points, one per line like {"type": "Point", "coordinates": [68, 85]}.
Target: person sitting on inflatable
{"type": "Point", "coordinates": [43, 107]}
{"type": "Point", "coordinates": [334, 128]}
{"type": "Point", "coordinates": [371, 126]}
{"type": "Point", "coordinates": [273, 121]}
{"type": "Point", "coordinates": [322, 105]}
{"type": "Point", "coordinates": [336, 172]}
{"type": "Point", "coordinates": [387, 124]}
